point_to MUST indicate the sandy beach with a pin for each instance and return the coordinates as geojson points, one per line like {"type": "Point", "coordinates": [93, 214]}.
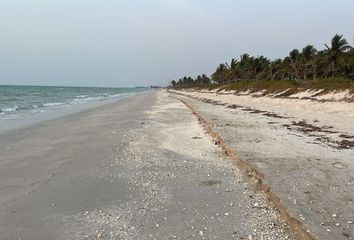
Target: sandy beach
{"type": "Point", "coordinates": [302, 149]}
{"type": "Point", "coordinates": [176, 119]}
{"type": "Point", "coordinates": [140, 168]}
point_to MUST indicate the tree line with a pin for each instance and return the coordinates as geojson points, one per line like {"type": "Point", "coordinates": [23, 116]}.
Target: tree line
{"type": "Point", "coordinates": [335, 60]}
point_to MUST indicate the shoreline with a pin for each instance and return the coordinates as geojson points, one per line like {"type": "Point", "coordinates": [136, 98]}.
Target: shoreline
{"type": "Point", "coordinates": [9, 125]}
{"type": "Point", "coordinates": [142, 167]}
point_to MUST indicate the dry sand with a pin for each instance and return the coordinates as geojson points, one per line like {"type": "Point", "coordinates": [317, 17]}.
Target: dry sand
{"type": "Point", "coordinates": [304, 148]}
{"type": "Point", "coordinates": [338, 115]}
{"type": "Point", "coordinates": [141, 168]}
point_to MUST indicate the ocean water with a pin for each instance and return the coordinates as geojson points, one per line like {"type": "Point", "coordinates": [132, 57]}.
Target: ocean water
{"type": "Point", "coordinates": [23, 104]}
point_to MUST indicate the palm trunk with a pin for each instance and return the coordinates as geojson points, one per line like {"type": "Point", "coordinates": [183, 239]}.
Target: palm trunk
{"type": "Point", "coordinates": [296, 71]}
{"type": "Point", "coordinates": [314, 70]}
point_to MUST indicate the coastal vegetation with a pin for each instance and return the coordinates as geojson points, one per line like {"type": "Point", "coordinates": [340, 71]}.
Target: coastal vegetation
{"type": "Point", "coordinates": [331, 68]}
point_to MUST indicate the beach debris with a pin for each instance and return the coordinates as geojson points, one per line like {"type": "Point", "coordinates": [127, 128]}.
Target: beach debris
{"type": "Point", "coordinates": [233, 106]}
{"type": "Point", "coordinates": [345, 233]}
{"type": "Point", "coordinates": [274, 115]}
{"type": "Point", "coordinates": [339, 165]}
{"type": "Point", "coordinates": [210, 183]}
{"type": "Point", "coordinates": [346, 136]}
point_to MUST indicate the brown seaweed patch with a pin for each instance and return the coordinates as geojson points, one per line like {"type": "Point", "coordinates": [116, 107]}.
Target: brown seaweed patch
{"type": "Point", "coordinates": [247, 109]}
{"type": "Point", "coordinates": [345, 144]}
{"type": "Point", "coordinates": [346, 136]}
{"type": "Point", "coordinates": [218, 103]}
{"type": "Point", "coordinates": [274, 115]}
{"type": "Point", "coordinates": [234, 106]}
{"type": "Point", "coordinates": [307, 127]}
{"type": "Point", "coordinates": [258, 111]}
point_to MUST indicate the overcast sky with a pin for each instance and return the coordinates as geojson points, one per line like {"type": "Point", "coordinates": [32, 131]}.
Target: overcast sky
{"type": "Point", "coordinates": [143, 42]}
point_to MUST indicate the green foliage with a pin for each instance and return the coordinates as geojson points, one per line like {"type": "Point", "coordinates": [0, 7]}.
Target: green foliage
{"type": "Point", "coordinates": [258, 85]}
{"type": "Point", "coordinates": [332, 67]}
{"type": "Point", "coordinates": [212, 86]}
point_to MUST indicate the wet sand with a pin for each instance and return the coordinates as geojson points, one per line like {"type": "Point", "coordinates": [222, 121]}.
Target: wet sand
{"type": "Point", "coordinates": [140, 168]}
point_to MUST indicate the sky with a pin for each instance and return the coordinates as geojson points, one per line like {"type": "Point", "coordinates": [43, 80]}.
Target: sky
{"type": "Point", "coordinates": [127, 43]}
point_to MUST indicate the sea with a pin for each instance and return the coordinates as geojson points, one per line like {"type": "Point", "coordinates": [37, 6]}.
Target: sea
{"type": "Point", "coordinates": [24, 105]}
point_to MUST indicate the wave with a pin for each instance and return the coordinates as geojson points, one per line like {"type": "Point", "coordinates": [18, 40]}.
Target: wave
{"type": "Point", "coordinates": [81, 96]}
{"type": "Point", "coordinates": [52, 104]}
{"type": "Point", "coordinates": [9, 109]}
{"type": "Point", "coordinates": [23, 101]}
{"type": "Point", "coordinates": [116, 95]}
{"type": "Point", "coordinates": [102, 97]}
{"type": "Point", "coordinates": [87, 99]}
{"type": "Point", "coordinates": [12, 110]}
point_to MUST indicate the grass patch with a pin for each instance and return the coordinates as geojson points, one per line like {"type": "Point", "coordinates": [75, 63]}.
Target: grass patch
{"type": "Point", "coordinates": [278, 86]}
{"type": "Point", "coordinates": [270, 86]}
{"type": "Point", "coordinates": [330, 84]}
{"type": "Point", "coordinates": [209, 87]}
{"type": "Point", "coordinates": [212, 86]}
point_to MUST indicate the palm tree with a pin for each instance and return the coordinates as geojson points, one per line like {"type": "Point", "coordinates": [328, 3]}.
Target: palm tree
{"type": "Point", "coordinates": [260, 66]}
{"type": "Point", "coordinates": [174, 83]}
{"type": "Point", "coordinates": [294, 57]}
{"type": "Point", "coordinates": [275, 68]}
{"type": "Point", "coordinates": [336, 58]}
{"type": "Point", "coordinates": [220, 74]}
{"type": "Point", "coordinates": [308, 54]}
{"type": "Point", "coordinates": [246, 66]}
{"type": "Point", "coordinates": [346, 63]}
{"type": "Point", "coordinates": [233, 71]}
{"type": "Point", "coordinates": [320, 65]}
{"type": "Point", "coordinates": [339, 45]}
{"type": "Point", "coordinates": [205, 79]}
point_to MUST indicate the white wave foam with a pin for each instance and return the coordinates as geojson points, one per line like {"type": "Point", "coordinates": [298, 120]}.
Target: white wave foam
{"type": "Point", "coordinates": [81, 96]}
{"type": "Point", "coordinates": [52, 104]}
{"type": "Point", "coordinates": [87, 99]}
{"type": "Point", "coordinates": [9, 109]}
